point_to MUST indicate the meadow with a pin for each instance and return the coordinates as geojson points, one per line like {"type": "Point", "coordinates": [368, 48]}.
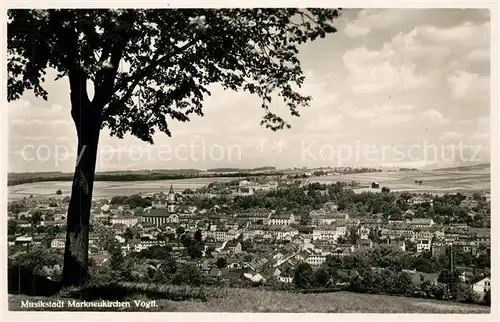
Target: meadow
{"type": "Point", "coordinates": [436, 182]}
{"type": "Point", "coordinates": [261, 301]}
{"type": "Point", "coordinates": [108, 189]}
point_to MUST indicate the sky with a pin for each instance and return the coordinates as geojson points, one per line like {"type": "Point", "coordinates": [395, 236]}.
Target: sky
{"type": "Point", "coordinates": [392, 88]}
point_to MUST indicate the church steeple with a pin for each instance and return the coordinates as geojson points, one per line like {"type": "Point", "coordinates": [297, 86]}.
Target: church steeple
{"type": "Point", "coordinates": [171, 191]}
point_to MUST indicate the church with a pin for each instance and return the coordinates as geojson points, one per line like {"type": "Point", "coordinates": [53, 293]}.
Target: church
{"type": "Point", "coordinates": [163, 210]}
{"type": "Point", "coordinates": [169, 203]}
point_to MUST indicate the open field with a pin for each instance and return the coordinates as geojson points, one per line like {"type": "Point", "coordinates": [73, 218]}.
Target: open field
{"type": "Point", "coordinates": [437, 182]}
{"type": "Point", "coordinates": [252, 300]}
{"type": "Point", "coordinates": [107, 189]}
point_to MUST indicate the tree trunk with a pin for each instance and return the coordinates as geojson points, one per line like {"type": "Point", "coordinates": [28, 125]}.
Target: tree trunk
{"type": "Point", "coordinates": [88, 123]}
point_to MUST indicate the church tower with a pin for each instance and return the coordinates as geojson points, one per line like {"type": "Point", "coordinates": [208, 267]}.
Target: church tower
{"type": "Point", "coordinates": [171, 199]}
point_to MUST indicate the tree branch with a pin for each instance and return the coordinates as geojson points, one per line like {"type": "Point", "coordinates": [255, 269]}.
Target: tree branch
{"type": "Point", "coordinates": [105, 78]}
{"type": "Point", "coordinates": [140, 74]}
{"type": "Point", "coordinates": [68, 40]}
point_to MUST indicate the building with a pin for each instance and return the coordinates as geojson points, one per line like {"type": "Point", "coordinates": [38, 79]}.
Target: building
{"type": "Point", "coordinates": [438, 249]}
{"type": "Point", "coordinates": [232, 246]}
{"type": "Point", "coordinates": [328, 232]}
{"type": "Point", "coordinates": [128, 221]}
{"type": "Point", "coordinates": [23, 240]}
{"type": "Point", "coordinates": [328, 218]}
{"type": "Point", "coordinates": [281, 219]}
{"type": "Point", "coordinates": [469, 202]}
{"type": "Point", "coordinates": [158, 217]}
{"type": "Point", "coordinates": [421, 222]}
{"type": "Point", "coordinates": [424, 245]}
{"type": "Point", "coordinates": [57, 243]}
{"type": "Point", "coordinates": [482, 286]}
{"type": "Point", "coordinates": [315, 260]}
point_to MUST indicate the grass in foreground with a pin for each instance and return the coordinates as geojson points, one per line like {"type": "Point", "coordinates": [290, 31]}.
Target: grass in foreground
{"type": "Point", "coordinates": [253, 300]}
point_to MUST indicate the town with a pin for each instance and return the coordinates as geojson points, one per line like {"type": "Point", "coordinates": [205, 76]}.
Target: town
{"type": "Point", "coordinates": [274, 233]}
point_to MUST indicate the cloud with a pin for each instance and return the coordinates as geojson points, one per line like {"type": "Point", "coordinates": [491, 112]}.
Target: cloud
{"type": "Point", "coordinates": [372, 71]}
{"type": "Point", "coordinates": [435, 116]}
{"type": "Point", "coordinates": [479, 55]}
{"type": "Point", "coordinates": [467, 85]}
{"type": "Point", "coordinates": [381, 114]}
{"type": "Point", "coordinates": [468, 34]}
{"type": "Point", "coordinates": [323, 124]}
{"type": "Point", "coordinates": [450, 135]}
{"type": "Point", "coordinates": [369, 20]}
{"type": "Point", "coordinates": [480, 136]}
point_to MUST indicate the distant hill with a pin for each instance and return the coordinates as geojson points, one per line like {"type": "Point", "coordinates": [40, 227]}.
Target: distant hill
{"type": "Point", "coordinates": [472, 167]}
{"type": "Point", "coordinates": [241, 170]}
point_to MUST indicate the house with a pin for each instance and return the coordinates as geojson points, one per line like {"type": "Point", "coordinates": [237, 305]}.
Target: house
{"type": "Point", "coordinates": [409, 213]}
{"type": "Point", "coordinates": [421, 222]}
{"type": "Point", "coordinates": [120, 239]}
{"type": "Point", "coordinates": [286, 279]}
{"type": "Point", "coordinates": [469, 202]}
{"type": "Point", "coordinates": [38, 240]}
{"type": "Point", "coordinates": [419, 200]}
{"type": "Point", "coordinates": [328, 232]}
{"type": "Point", "coordinates": [272, 272]}
{"type": "Point", "coordinates": [482, 286]}
{"type": "Point", "coordinates": [57, 243]}
{"type": "Point", "coordinates": [363, 232]}
{"type": "Point", "coordinates": [281, 219]}
{"type": "Point", "coordinates": [482, 235]}
{"type": "Point", "coordinates": [438, 249]}
{"type": "Point", "coordinates": [284, 232]}
{"type": "Point", "coordinates": [11, 240]}
{"type": "Point", "coordinates": [424, 245]}
{"type": "Point", "coordinates": [375, 185]}
{"type": "Point", "coordinates": [23, 240]}
{"type": "Point", "coordinates": [315, 260]}
{"type": "Point", "coordinates": [232, 246]}
{"type": "Point", "coordinates": [328, 218]}
{"type": "Point", "coordinates": [128, 221]}
{"type": "Point", "coordinates": [59, 223]}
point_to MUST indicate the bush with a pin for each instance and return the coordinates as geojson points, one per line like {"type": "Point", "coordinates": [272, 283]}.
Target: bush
{"type": "Point", "coordinates": [467, 295]}
{"type": "Point", "coordinates": [487, 298]}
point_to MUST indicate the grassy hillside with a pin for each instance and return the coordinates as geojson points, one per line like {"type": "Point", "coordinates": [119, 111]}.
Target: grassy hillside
{"type": "Point", "coordinates": [253, 300]}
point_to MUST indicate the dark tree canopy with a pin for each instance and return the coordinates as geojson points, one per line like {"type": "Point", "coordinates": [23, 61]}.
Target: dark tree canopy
{"type": "Point", "coordinates": [152, 66]}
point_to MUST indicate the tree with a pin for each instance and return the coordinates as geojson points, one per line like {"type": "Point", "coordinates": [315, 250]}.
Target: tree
{"type": "Point", "coordinates": [59, 192]}
{"type": "Point", "coordinates": [188, 274]}
{"type": "Point", "coordinates": [150, 67]}
{"type": "Point", "coordinates": [180, 231]}
{"type": "Point", "coordinates": [198, 236]}
{"type": "Point", "coordinates": [221, 262]}
{"type": "Point", "coordinates": [12, 227]}
{"type": "Point", "coordinates": [35, 218]}
{"type": "Point", "coordinates": [116, 256]}
{"type": "Point", "coordinates": [321, 277]}
{"type": "Point", "coordinates": [303, 277]}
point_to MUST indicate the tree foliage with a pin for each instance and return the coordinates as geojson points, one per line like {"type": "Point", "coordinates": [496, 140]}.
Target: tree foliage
{"type": "Point", "coordinates": [169, 56]}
